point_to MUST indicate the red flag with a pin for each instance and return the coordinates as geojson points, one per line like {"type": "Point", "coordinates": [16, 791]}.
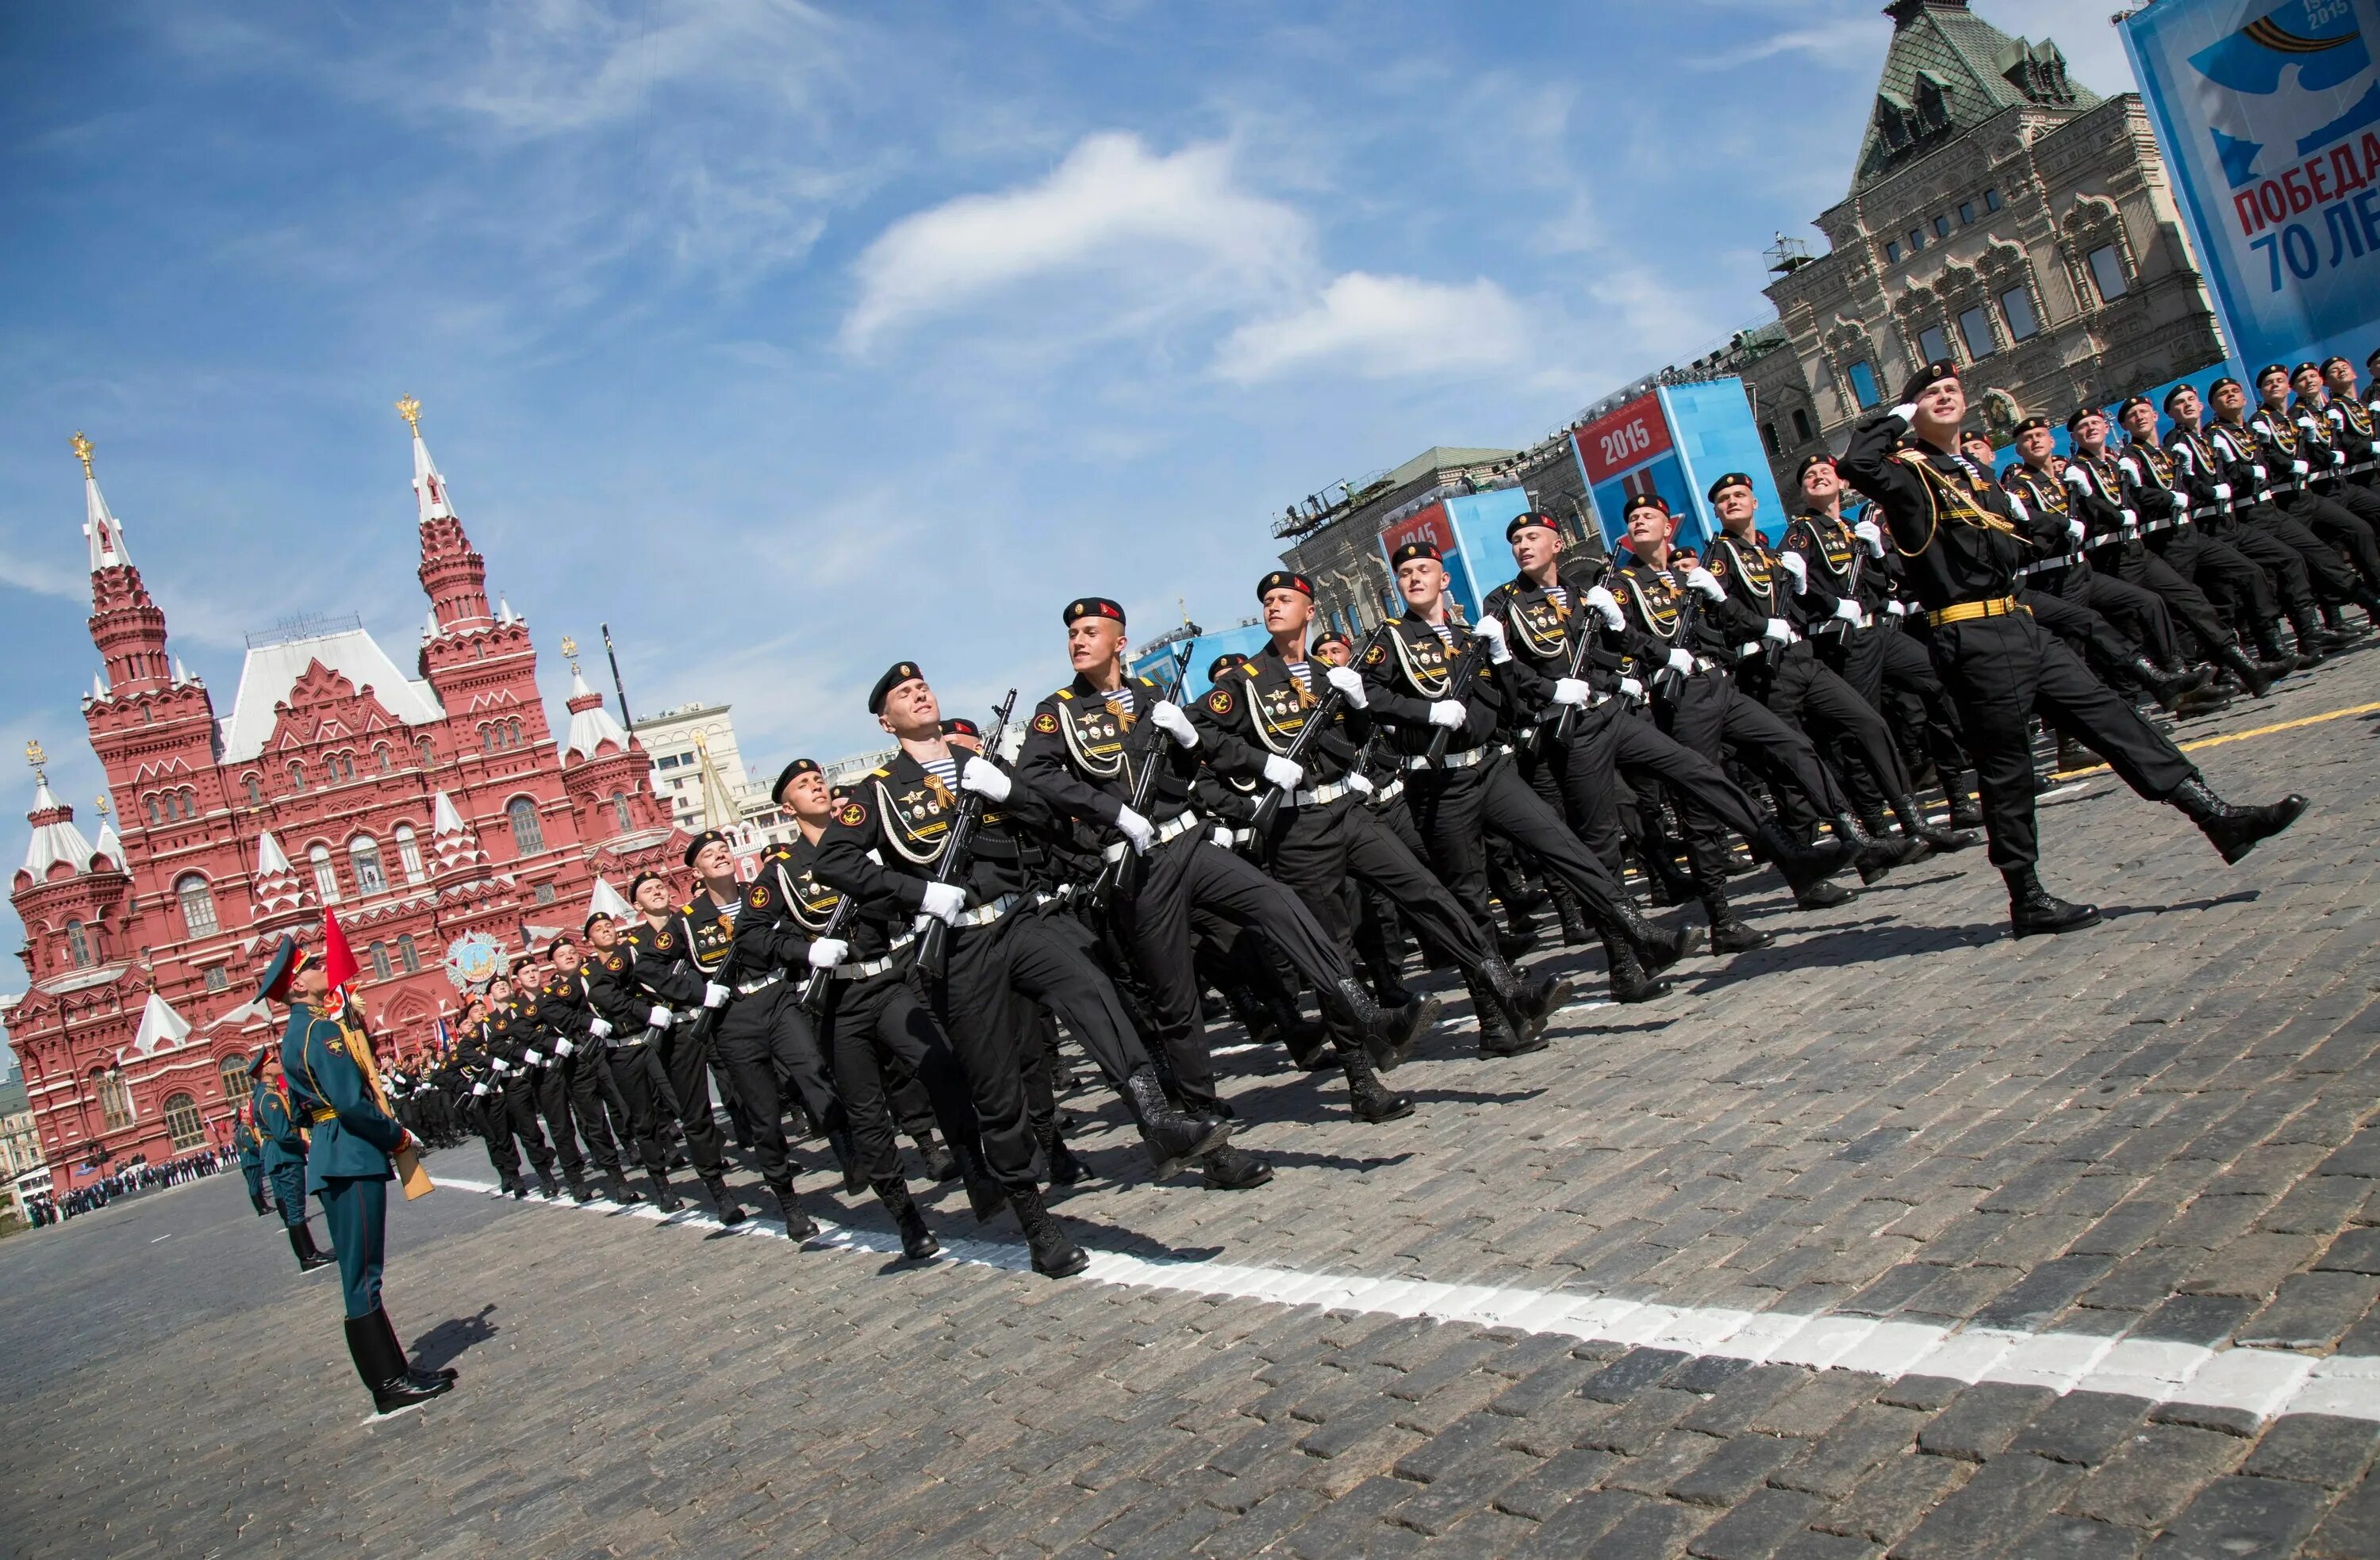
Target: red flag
{"type": "Point", "coordinates": [339, 959]}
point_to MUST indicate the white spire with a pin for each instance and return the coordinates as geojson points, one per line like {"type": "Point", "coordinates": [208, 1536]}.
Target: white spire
{"type": "Point", "coordinates": [452, 845]}
{"type": "Point", "coordinates": [270, 861]}
{"type": "Point", "coordinates": [428, 488]}
{"type": "Point", "coordinates": [444, 819]}
{"type": "Point", "coordinates": [104, 531]}
{"type": "Point", "coordinates": [111, 845]}
{"type": "Point", "coordinates": [504, 611]}
{"type": "Point", "coordinates": [606, 900]}
{"type": "Point", "coordinates": [159, 1025]}
{"type": "Point", "coordinates": [56, 841]}
{"type": "Point", "coordinates": [181, 673]}
{"type": "Point", "coordinates": [98, 686]}
{"type": "Point", "coordinates": [591, 727]}
{"type": "Point", "coordinates": [430, 629]}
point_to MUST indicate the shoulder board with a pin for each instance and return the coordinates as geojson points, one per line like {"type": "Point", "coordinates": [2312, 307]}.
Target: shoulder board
{"type": "Point", "coordinates": [1063, 694]}
{"type": "Point", "coordinates": [885, 773]}
{"type": "Point", "coordinates": [778, 853]}
{"type": "Point", "coordinates": [1147, 683]}
{"type": "Point", "coordinates": [687, 908]}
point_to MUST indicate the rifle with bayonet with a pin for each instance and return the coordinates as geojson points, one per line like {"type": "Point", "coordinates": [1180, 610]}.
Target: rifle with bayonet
{"type": "Point", "coordinates": [1317, 722]}
{"type": "Point", "coordinates": [934, 941]}
{"type": "Point", "coordinates": [1120, 875]}
{"type": "Point", "coordinates": [1466, 671]}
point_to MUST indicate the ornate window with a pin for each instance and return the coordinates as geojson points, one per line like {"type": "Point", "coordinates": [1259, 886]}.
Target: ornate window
{"type": "Point", "coordinates": [114, 1101]}
{"type": "Point", "coordinates": [2107, 265]}
{"type": "Point", "coordinates": [183, 1121]}
{"type": "Point", "coordinates": [1802, 431]}
{"type": "Point", "coordinates": [326, 877]}
{"type": "Point", "coordinates": [217, 978]}
{"type": "Point", "coordinates": [78, 944]}
{"type": "Point", "coordinates": [1768, 438]}
{"type": "Point", "coordinates": [1975, 329]}
{"type": "Point", "coordinates": [408, 853]}
{"type": "Point", "coordinates": [620, 810]}
{"type": "Point", "coordinates": [255, 789]}
{"type": "Point", "coordinates": [234, 1072]}
{"type": "Point", "coordinates": [1933, 344]}
{"type": "Point", "coordinates": [380, 758]}
{"type": "Point", "coordinates": [363, 860]}
{"type": "Point", "coordinates": [409, 957]}
{"type": "Point", "coordinates": [380, 964]}
{"type": "Point", "coordinates": [1862, 375]}
{"type": "Point", "coordinates": [149, 802]}
{"type": "Point", "coordinates": [429, 754]}
{"type": "Point", "coordinates": [2016, 307]}
{"type": "Point", "coordinates": [298, 777]}
{"type": "Point", "coordinates": [487, 739]}
{"type": "Point", "coordinates": [527, 838]}
{"type": "Point", "coordinates": [198, 905]}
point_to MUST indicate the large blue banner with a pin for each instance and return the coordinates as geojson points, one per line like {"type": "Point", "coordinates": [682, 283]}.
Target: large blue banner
{"type": "Point", "coordinates": [2269, 119]}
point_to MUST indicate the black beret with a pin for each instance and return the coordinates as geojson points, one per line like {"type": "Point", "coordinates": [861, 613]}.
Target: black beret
{"type": "Point", "coordinates": [1414, 550]}
{"type": "Point", "coordinates": [2074, 418]}
{"type": "Point", "coordinates": [960, 726]}
{"type": "Point", "coordinates": [1527, 518]}
{"type": "Point", "coordinates": [1282, 579]}
{"type": "Point", "coordinates": [640, 880]}
{"type": "Point", "coordinates": [1974, 436]}
{"type": "Point", "coordinates": [2031, 425]}
{"type": "Point", "coordinates": [2304, 368]}
{"type": "Point", "coordinates": [1727, 479]}
{"type": "Point", "coordinates": [558, 940]}
{"type": "Point", "coordinates": [1643, 500]}
{"type": "Point", "coordinates": [1093, 607]}
{"type": "Point", "coordinates": [1809, 461]}
{"type": "Point", "coordinates": [694, 846]}
{"type": "Point", "coordinates": [2177, 391]}
{"type": "Point", "coordinates": [1928, 378]}
{"type": "Point", "coordinates": [1222, 663]}
{"type": "Point", "coordinates": [787, 775]}
{"type": "Point", "coordinates": [2372, 357]}
{"type": "Point", "coordinates": [2129, 402]}
{"type": "Point", "coordinates": [588, 926]}
{"type": "Point", "coordinates": [2224, 380]}
{"type": "Point", "coordinates": [1331, 636]}
{"type": "Point", "coordinates": [2342, 362]}
{"type": "Point", "coordinates": [900, 671]}
{"type": "Point", "coordinates": [2270, 369]}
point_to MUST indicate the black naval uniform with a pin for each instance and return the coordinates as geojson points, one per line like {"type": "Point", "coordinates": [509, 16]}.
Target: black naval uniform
{"type": "Point", "coordinates": [2287, 465]}
{"type": "Point", "coordinates": [2327, 464]}
{"type": "Point", "coordinates": [2106, 488]}
{"type": "Point", "coordinates": [510, 1033]}
{"type": "Point", "coordinates": [670, 989]}
{"type": "Point", "coordinates": [2048, 509]}
{"type": "Point", "coordinates": [2191, 544]}
{"type": "Point", "coordinates": [566, 1012]}
{"type": "Point", "coordinates": [2216, 470]}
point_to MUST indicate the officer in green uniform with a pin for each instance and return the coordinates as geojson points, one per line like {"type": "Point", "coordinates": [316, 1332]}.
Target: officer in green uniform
{"type": "Point", "coordinates": [328, 1064]}
{"type": "Point", "coordinates": [250, 1149]}
{"type": "Point", "coordinates": [282, 1153]}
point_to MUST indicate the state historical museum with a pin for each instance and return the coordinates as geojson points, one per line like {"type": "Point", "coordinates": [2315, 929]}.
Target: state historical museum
{"type": "Point", "coordinates": [426, 806]}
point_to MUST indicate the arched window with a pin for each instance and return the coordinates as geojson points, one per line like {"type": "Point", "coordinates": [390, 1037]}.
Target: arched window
{"type": "Point", "coordinates": [234, 1072]}
{"type": "Point", "coordinates": [77, 945]}
{"type": "Point", "coordinates": [380, 960]}
{"type": "Point", "coordinates": [380, 757]}
{"type": "Point", "coordinates": [620, 810]}
{"type": "Point", "coordinates": [190, 804]}
{"type": "Point", "coordinates": [326, 877]}
{"type": "Point", "coordinates": [298, 777]}
{"type": "Point", "coordinates": [408, 853]}
{"type": "Point", "coordinates": [409, 957]}
{"type": "Point", "coordinates": [429, 753]}
{"type": "Point", "coordinates": [150, 804]}
{"type": "Point", "coordinates": [114, 1101]}
{"type": "Point", "coordinates": [255, 789]}
{"type": "Point", "coordinates": [363, 861]}
{"type": "Point", "coordinates": [182, 1120]}
{"type": "Point", "coordinates": [198, 905]}
{"type": "Point", "coordinates": [487, 739]}
{"type": "Point", "coordinates": [514, 727]}
{"type": "Point", "coordinates": [527, 838]}
{"type": "Point", "coordinates": [343, 764]}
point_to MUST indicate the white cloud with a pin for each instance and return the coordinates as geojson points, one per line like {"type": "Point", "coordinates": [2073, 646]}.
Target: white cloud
{"type": "Point", "coordinates": [1849, 43]}
{"type": "Point", "coordinates": [1177, 227]}
{"type": "Point", "coordinates": [1381, 326]}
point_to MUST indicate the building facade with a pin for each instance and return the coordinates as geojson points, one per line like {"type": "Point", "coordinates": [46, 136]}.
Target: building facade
{"type": "Point", "coordinates": [436, 811]}
{"type": "Point", "coordinates": [23, 1173]}
{"type": "Point", "coordinates": [698, 773]}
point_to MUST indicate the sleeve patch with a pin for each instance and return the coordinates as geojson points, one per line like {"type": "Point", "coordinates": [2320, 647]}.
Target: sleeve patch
{"type": "Point", "coordinates": [1045, 722]}
{"type": "Point", "coordinates": [1220, 702]}
{"type": "Point", "coordinates": [757, 895]}
{"type": "Point", "coordinates": [851, 815]}
{"type": "Point", "coordinates": [1376, 654]}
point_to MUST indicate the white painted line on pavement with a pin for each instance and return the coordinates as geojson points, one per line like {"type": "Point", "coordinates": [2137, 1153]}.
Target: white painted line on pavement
{"type": "Point", "coordinates": [2267, 1383]}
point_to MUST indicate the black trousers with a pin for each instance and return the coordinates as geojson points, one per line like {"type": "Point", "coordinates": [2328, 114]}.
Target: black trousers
{"type": "Point", "coordinates": [626, 1069]}
{"type": "Point", "coordinates": [587, 1078]}
{"type": "Point", "coordinates": [2343, 518]}
{"type": "Point", "coordinates": [1881, 657]}
{"type": "Point", "coordinates": [2326, 571]}
{"type": "Point", "coordinates": [877, 1025]}
{"type": "Point", "coordinates": [2184, 602]}
{"type": "Point", "coordinates": [1322, 852]}
{"type": "Point", "coordinates": [2085, 632]}
{"type": "Point", "coordinates": [1191, 872]}
{"type": "Point", "coordinates": [2002, 671]}
{"type": "Point", "coordinates": [685, 1060]}
{"type": "Point", "coordinates": [493, 1123]}
{"type": "Point", "coordinates": [2136, 612]}
{"type": "Point", "coordinates": [520, 1119]}
{"type": "Point", "coordinates": [2223, 572]}
{"type": "Point", "coordinates": [1807, 693]}
{"type": "Point", "coordinates": [1456, 810]}
{"type": "Point", "coordinates": [765, 1043]}
{"type": "Point", "coordinates": [1709, 714]}
{"type": "Point", "coordinates": [1582, 777]}
{"type": "Point", "coordinates": [551, 1091]}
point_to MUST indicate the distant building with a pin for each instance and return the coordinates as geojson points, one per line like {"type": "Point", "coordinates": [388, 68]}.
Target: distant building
{"type": "Point", "coordinates": [698, 771]}
{"type": "Point", "coordinates": [23, 1172]}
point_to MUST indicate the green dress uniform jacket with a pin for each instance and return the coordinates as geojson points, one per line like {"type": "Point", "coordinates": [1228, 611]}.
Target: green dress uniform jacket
{"type": "Point", "coordinates": [353, 1136]}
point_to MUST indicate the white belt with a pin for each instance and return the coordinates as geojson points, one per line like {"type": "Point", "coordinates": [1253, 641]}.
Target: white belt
{"type": "Point", "coordinates": [1463, 760]}
{"type": "Point", "coordinates": [866, 967]}
{"type": "Point", "coordinates": [985, 915]}
{"type": "Point", "coordinates": [1385, 794]}
{"type": "Point", "coordinates": [1172, 828]}
{"type": "Point", "coordinates": [745, 988]}
{"type": "Point", "coordinates": [1320, 796]}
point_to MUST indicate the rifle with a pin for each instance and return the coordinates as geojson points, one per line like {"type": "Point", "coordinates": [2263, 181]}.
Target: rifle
{"type": "Point", "coordinates": [1316, 722]}
{"type": "Point", "coordinates": [813, 997]}
{"type": "Point", "coordinates": [1466, 669]}
{"type": "Point", "coordinates": [1569, 716]}
{"type": "Point", "coordinates": [934, 942]}
{"type": "Point", "coordinates": [1116, 877]}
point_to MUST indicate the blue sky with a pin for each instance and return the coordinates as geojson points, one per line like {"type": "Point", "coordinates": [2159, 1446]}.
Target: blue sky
{"type": "Point", "coordinates": [792, 340]}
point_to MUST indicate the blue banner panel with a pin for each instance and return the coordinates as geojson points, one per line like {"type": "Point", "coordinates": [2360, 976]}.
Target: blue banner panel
{"type": "Point", "coordinates": [1710, 424]}
{"type": "Point", "coordinates": [1158, 664]}
{"type": "Point", "coordinates": [1664, 476]}
{"type": "Point", "coordinates": [2269, 119]}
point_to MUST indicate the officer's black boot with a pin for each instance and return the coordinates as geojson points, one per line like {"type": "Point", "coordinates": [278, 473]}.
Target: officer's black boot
{"type": "Point", "coordinates": [2234, 830]}
{"type": "Point", "coordinates": [301, 1241]}
{"type": "Point", "coordinates": [578, 1189]}
{"type": "Point", "coordinates": [846, 1159]}
{"type": "Point", "coordinates": [1064, 1168]}
{"type": "Point", "coordinates": [383, 1367]}
{"type": "Point", "coordinates": [1390, 1034]}
{"type": "Point", "coordinates": [419, 1375]}
{"type": "Point", "coordinates": [1914, 825]}
{"type": "Point", "coordinates": [1231, 1170]}
{"type": "Point", "coordinates": [1387, 981]}
{"type": "Point", "coordinates": [917, 1242]}
{"type": "Point", "coordinates": [731, 1213]}
{"type": "Point", "coordinates": [1054, 1256]}
{"type": "Point", "coordinates": [257, 1201]}
{"type": "Point", "coordinates": [2314, 642]}
{"type": "Point", "coordinates": [1730, 933]}
{"type": "Point", "coordinates": [2273, 660]}
{"type": "Point", "coordinates": [1966, 807]}
{"type": "Point", "coordinates": [1875, 857]}
{"type": "Point", "coordinates": [1528, 1004]}
{"type": "Point", "coordinates": [2168, 687]}
{"type": "Point", "coordinates": [941, 1165]}
{"type": "Point", "coordinates": [2251, 676]}
{"type": "Point", "coordinates": [1496, 1037]}
{"type": "Point", "coordinates": [799, 1226]}
{"type": "Point", "coordinates": [1307, 1041]}
{"type": "Point", "coordinates": [1368, 1099]}
{"type": "Point", "coordinates": [1797, 863]}
{"type": "Point", "coordinates": [2034, 910]}
{"type": "Point", "coordinates": [1574, 931]}
{"type": "Point", "coordinates": [1657, 947]}
{"type": "Point", "coordinates": [1173, 1137]}
{"type": "Point", "coordinates": [1629, 981]}
{"type": "Point", "coordinates": [665, 1197]}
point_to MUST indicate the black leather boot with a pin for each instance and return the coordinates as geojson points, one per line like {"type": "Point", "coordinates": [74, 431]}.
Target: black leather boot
{"type": "Point", "coordinates": [941, 1165]}
{"type": "Point", "coordinates": [2271, 659]}
{"type": "Point", "coordinates": [1307, 1041]}
{"type": "Point", "coordinates": [731, 1213]}
{"type": "Point", "coordinates": [617, 1189]}
{"type": "Point", "coordinates": [846, 1159]}
{"type": "Point", "coordinates": [1574, 932]}
{"type": "Point", "coordinates": [579, 1188]}
{"type": "Point", "coordinates": [301, 1241]}
{"type": "Point", "coordinates": [1063, 1168]}
{"type": "Point", "coordinates": [2034, 910]}
{"type": "Point", "coordinates": [1054, 1257]}
{"type": "Point", "coordinates": [1966, 807]}
{"type": "Point", "coordinates": [547, 1187]}
{"type": "Point", "coordinates": [2168, 687]}
{"type": "Point", "coordinates": [664, 1196]}
{"type": "Point", "coordinates": [799, 1226]}
{"type": "Point", "coordinates": [1233, 1169]}
{"type": "Point", "coordinates": [917, 1242]}
{"type": "Point", "coordinates": [1730, 933]}
{"type": "Point", "coordinates": [1913, 822]}
{"type": "Point", "coordinates": [1800, 864]}
{"type": "Point", "coordinates": [1173, 1138]}
{"type": "Point", "coordinates": [1529, 1005]}
{"type": "Point", "coordinates": [1875, 857]}
{"type": "Point", "coordinates": [1390, 1034]}
{"type": "Point", "coordinates": [1368, 1099]}
{"type": "Point", "coordinates": [1658, 948]}
{"type": "Point", "coordinates": [382, 1368]}
{"type": "Point", "coordinates": [1387, 981]}
{"type": "Point", "coordinates": [2234, 830]}
{"type": "Point", "coordinates": [2251, 676]}
{"type": "Point", "coordinates": [1629, 981]}
{"type": "Point", "coordinates": [1497, 1037]}
{"type": "Point", "coordinates": [419, 1375]}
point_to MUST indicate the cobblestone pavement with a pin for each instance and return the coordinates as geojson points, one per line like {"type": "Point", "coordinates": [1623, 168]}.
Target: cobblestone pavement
{"type": "Point", "coordinates": [1898, 1237]}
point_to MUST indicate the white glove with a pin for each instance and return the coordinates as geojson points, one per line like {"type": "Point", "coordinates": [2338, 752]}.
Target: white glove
{"type": "Point", "coordinates": [1848, 610]}
{"type": "Point", "coordinates": [535, 1058]}
{"type": "Point", "coordinates": [1603, 601]}
{"type": "Point", "coordinates": [715, 995]}
{"type": "Point", "coordinates": [1570, 690]}
{"type": "Point", "coordinates": [1349, 683]}
{"type": "Point", "coordinates": [500, 1064]}
{"type": "Point", "coordinates": [986, 781]}
{"type": "Point", "coordinates": [943, 902]}
{"type": "Point", "coordinates": [1447, 713]}
{"type": "Point", "coordinates": [1778, 632]}
{"type": "Point", "coordinates": [1281, 772]}
{"type": "Point", "coordinates": [479, 1089]}
{"type": "Point", "coordinates": [2222, 491]}
{"type": "Point", "coordinates": [1682, 663]}
{"type": "Point", "coordinates": [2128, 468]}
{"type": "Point", "coordinates": [2299, 466]}
{"type": "Point", "coordinates": [1792, 564]}
{"type": "Point", "coordinates": [1906, 411]}
{"type": "Point", "coordinates": [1897, 609]}
{"type": "Point", "coordinates": [1136, 830]}
{"type": "Point", "coordinates": [2075, 479]}
{"type": "Point", "coordinates": [1631, 689]}
{"type": "Point", "coordinates": [2259, 470]}
{"type": "Point", "coordinates": [1872, 534]}
{"type": "Point", "coordinates": [659, 1017]}
{"type": "Point", "coordinates": [1702, 579]}
{"type": "Point", "coordinates": [1361, 785]}
{"type": "Point", "coordinates": [1173, 724]}
{"type": "Point", "coordinates": [2074, 530]}
{"type": "Point", "coordinates": [2132, 520]}
{"type": "Point", "coordinates": [600, 1027]}
{"type": "Point", "coordinates": [827, 952]}
{"type": "Point", "coordinates": [2017, 508]}
{"type": "Point", "coordinates": [1491, 628]}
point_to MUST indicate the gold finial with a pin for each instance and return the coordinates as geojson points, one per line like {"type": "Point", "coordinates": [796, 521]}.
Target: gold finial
{"type": "Point", "coordinates": [36, 757]}
{"type": "Point", "coordinates": [82, 448]}
{"type": "Point", "coordinates": [102, 805]}
{"type": "Point", "coordinates": [409, 409]}
{"type": "Point", "coordinates": [570, 653]}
